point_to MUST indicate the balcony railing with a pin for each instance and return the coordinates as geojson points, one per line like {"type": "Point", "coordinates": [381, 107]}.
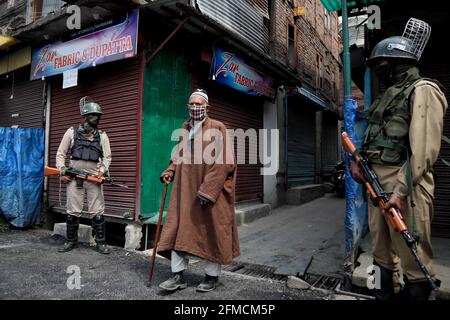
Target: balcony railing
{"type": "Point", "coordinates": [37, 9]}
{"type": "Point", "coordinates": [18, 13]}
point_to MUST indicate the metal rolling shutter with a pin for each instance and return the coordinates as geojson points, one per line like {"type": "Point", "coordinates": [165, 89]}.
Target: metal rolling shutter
{"type": "Point", "coordinates": [26, 108]}
{"type": "Point", "coordinates": [116, 87]}
{"type": "Point", "coordinates": [329, 143]}
{"type": "Point", "coordinates": [301, 145]}
{"type": "Point", "coordinates": [441, 219]}
{"type": "Point", "coordinates": [237, 110]}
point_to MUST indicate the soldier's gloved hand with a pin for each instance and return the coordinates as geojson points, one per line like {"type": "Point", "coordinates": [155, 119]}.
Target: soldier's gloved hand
{"type": "Point", "coordinates": [204, 201]}
{"type": "Point", "coordinates": [63, 170]}
{"type": "Point", "coordinates": [356, 173]}
{"type": "Point", "coordinates": [396, 202]}
{"type": "Point", "coordinates": [64, 179]}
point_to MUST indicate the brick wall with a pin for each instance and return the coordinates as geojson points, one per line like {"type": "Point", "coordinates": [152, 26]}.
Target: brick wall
{"type": "Point", "coordinates": [317, 46]}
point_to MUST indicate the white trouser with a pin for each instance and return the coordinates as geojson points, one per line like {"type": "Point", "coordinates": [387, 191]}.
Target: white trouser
{"type": "Point", "coordinates": [180, 261]}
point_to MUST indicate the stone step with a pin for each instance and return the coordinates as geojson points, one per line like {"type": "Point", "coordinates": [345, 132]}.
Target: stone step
{"type": "Point", "coordinates": [299, 195]}
{"type": "Point", "coordinates": [247, 213]}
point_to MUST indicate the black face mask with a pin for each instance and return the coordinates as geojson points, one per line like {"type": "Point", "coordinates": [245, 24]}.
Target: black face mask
{"type": "Point", "coordinates": [91, 123]}
{"type": "Point", "coordinates": [384, 73]}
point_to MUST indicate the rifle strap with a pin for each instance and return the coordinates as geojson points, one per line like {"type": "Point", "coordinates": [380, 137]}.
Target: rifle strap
{"type": "Point", "coordinates": [364, 193]}
{"type": "Point", "coordinates": [409, 181]}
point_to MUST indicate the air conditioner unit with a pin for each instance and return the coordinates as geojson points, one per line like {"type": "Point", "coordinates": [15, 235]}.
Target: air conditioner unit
{"type": "Point", "coordinates": [298, 11]}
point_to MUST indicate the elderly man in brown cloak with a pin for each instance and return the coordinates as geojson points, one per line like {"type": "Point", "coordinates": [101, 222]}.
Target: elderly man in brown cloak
{"type": "Point", "coordinates": [200, 221]}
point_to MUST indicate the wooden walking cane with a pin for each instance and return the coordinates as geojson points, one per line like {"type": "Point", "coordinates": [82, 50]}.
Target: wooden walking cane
{"type": "Point", "coordinates": [158, 233]}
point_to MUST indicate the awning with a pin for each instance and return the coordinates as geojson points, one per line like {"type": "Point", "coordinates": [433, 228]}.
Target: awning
{"type": "Point", "coordinates": [335, 5]}
{"type": "Point", "coordinates": [15, 60]}
{"type": "Point", "coordinates": [54, 25]}
{"type": "Point", "coordinates": [314, 98]}
{"type": "Point", "coordinates": [174, 11]}
{"type": "Point", "coordinates": [331, 5]}
{"type": "Point", "coordinates": [6, 41]}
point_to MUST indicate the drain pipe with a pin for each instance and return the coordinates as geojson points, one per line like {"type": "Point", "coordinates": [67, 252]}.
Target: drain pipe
{"type": "Point", "coordinates": [282, 116]}
{"type": "Point", "coordinates": [47, 103]}
{"type": "Point", "coordinates": [286, 136]}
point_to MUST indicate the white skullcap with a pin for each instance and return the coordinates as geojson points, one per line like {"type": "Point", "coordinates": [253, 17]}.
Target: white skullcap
{"type": "Point", "coordinates": [200, 93]}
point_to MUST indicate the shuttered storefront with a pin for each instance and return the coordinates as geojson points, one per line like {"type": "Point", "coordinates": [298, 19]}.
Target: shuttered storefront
{"type": "Point", "coordinates": [117, 88]}
{"type": "Point", "coordinates": [329, 143]}
{"type": "Point", "coordinates": [21, 100]}
{"type": "Point", "coordinates": [301, 144]}
{"type": "Point", "coordinates": [441, 220]}
{"type": "Point", "coordinates": [237, 110]}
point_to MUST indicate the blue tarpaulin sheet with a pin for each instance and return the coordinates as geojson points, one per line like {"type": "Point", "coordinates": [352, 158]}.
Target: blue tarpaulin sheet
{"type": "Point", "coordinates": [350, 107]}
{"type": "Point", "coordinates": [356, 219]}
{"type": "Point", "coordinates": [21, 175]}
{"type": "Point", "coordinates": [356, 225]}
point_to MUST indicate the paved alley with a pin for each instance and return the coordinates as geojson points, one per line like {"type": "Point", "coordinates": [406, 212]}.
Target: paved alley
{"type": "Point", "coordinates": [296, 239]}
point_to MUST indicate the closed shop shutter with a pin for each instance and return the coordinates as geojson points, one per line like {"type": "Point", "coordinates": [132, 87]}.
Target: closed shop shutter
{"type": "Point", "coordinates": [301, 145]}
{"type": "Point", "coordinates": [441, 219]}
{"type": "Point", "coordinates": [329, 143]}
{"type": "Point", "coordinates": [237, 110]}
{"type": "Point", "coordinates": [116, 87]}
{"type": "Point", "coordinates": [21, 100]}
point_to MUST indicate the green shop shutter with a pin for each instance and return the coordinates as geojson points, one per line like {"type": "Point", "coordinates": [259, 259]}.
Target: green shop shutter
{"type": "Point", "coordinates": [166, 93]}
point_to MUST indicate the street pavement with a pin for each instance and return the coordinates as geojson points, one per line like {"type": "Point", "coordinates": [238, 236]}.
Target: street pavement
{"type": "Point", "coordinates": [298, 239]}
{"type": "Point", "coordinates": [31, 268]}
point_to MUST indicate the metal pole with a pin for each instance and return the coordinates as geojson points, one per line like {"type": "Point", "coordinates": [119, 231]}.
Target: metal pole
{"type": "Point", "coordinates": [346, 52]}
{"type": "Point", "coordinates": [349, 109]}
{"type": "Point", "coordinates": [165, 42]}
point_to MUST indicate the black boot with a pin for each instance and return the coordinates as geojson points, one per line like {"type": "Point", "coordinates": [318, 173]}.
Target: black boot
{"type": "Point", "coordinates": [414, 291]}
{"type": "Point", "coordinates": [174, 283]}
{"type": "Point", "coordinates": [386, 290]}
{"type": "Point", "coordinates": [208, 284]}
{"type": "Point", "coordinates": [98, 227]}
{"type": "Point", "coordinates": [71, 234]}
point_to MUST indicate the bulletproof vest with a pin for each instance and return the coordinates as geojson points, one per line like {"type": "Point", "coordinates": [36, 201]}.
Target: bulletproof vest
{"type": "Point", "coordinates": [387, 136]}
{"type": "Point", "coordinates": [84, 149]}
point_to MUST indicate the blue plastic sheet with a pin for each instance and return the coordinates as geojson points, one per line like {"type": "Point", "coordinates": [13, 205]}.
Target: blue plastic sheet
{"type": "Point", "coordinates": [356, 219]}
{"type": "Point", "coordinates": [350, 107]}
{"type": "Point", "coordinates": [21, 175]}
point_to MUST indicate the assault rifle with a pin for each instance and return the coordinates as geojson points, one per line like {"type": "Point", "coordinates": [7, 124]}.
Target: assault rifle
{"type": "Point", "coordinates": [82, 175]}
{"type": "Point", "coordinates": [381, 197]}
